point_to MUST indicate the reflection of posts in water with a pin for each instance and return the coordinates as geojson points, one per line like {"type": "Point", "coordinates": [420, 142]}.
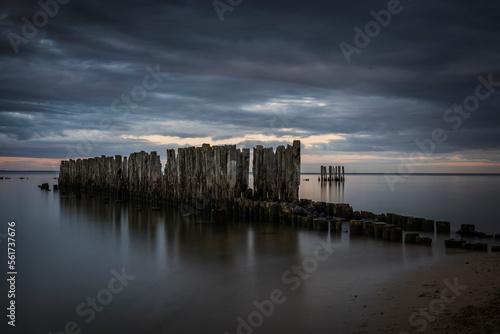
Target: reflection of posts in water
{"type": "Point", "coordinates": [340, 187]}
{"type": "Point", "coordinates": [341, 191]}
{"type": "Point", "coordinates": [335, 192]}
{"type": "Point", "coordinates": [323, 194]}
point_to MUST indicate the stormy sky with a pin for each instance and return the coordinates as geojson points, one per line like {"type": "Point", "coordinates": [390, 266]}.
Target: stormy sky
{"type": "Point", "coordinates": [377, 86]}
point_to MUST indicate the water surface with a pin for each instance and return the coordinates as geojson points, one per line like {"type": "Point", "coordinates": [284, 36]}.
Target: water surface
{"type": "Point", "coordinates": [192, 276]}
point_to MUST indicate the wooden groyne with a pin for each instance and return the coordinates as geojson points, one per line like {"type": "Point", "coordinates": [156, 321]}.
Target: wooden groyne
{"type": "Point", "coordinates": [214, 180]}
{"type": "Point", "coordinates": [277, 174]}
{"type": "Point", "coordinates": [215, 174]}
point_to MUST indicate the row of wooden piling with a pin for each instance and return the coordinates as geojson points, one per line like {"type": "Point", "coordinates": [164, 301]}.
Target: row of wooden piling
{"type": "Point", "coordinates": [208, 173]}
{"type": "Point", "coordinates": [282, 212]}
{"type": "Point", "coordinates": [138, 175]}
{"type": "Point", "coordinates": [277, 174]}
{"type": "Point", "coordinates": [407, 223]}
{"type": "Point", "coordinates": [335, 174]}
{"type": "Point", "coordinates": [386, 232]}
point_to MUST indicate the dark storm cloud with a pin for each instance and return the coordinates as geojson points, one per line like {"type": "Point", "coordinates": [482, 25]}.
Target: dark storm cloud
{"type": "Point", "coordinates": [271, 67]}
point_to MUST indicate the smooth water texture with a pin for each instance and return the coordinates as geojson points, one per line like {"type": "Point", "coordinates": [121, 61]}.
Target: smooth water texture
{"type": "Point", "coordinates": [188, 275]}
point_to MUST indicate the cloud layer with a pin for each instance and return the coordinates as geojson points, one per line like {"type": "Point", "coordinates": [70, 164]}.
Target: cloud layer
{"type": "Point", "coordinates": [121, 76]}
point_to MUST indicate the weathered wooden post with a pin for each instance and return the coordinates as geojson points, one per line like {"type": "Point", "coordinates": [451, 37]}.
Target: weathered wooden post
{"type": "Point", "coordinates": [294, 168]}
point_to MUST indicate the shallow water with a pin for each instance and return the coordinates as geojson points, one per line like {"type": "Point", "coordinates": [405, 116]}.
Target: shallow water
{"type": "Point", "coordinates": [190, 275]}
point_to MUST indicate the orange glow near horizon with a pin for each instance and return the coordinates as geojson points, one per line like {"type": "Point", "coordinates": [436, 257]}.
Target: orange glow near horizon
{"type": "Point", "coordinates": [20, 163]}
{"type": "Point", "coordinates": [419, 161]}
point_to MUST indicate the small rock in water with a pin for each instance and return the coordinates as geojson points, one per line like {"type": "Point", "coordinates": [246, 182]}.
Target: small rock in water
{"type": "Point", "coordinates": [310, 208]}
{"type": "Point", "coordinates": [298, 210]}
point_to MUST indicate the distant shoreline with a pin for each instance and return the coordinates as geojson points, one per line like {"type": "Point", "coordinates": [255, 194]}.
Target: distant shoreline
{"type": "Point", "coordinates": [492, 174]}
{"type": "Point", "coordinates": [305, 173]}
{"type": "Point", "coordinates": [29, 171]}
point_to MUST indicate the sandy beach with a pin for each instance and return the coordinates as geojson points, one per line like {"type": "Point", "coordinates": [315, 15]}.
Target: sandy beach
{"type": "Point", "coordinates": [459, 296]}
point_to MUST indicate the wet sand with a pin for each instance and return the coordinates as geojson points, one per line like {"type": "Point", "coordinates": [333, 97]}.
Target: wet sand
{"type": "Point", "coordinates": [459, 296]}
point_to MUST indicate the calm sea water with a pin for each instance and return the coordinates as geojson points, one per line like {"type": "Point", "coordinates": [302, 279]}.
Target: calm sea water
{"type": "Point", "coordinates": [86, 266]}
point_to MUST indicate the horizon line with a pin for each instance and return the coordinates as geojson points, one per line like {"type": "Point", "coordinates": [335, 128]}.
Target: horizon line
{"type": "Point", "coordinates": [302, 173]}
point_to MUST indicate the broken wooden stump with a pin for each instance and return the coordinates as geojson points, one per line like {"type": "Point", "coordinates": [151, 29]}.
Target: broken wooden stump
{"type": "Point", "coordinates": [467, 229]}
{"type": "Point", "coordinates": [442, 227]}
{"type": "Point", "coordinates": [356, 227]}
{"type": "Point", "coordinates": [411, 238]}
{"type": "Point", "coordinates": [368, 228]}
{"type": "Point", "coordinates": [453, 243]}
{"type": "Point", "coordinates": [387, 230]}
{"type": "Point", "coordinates": [378, 229]}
